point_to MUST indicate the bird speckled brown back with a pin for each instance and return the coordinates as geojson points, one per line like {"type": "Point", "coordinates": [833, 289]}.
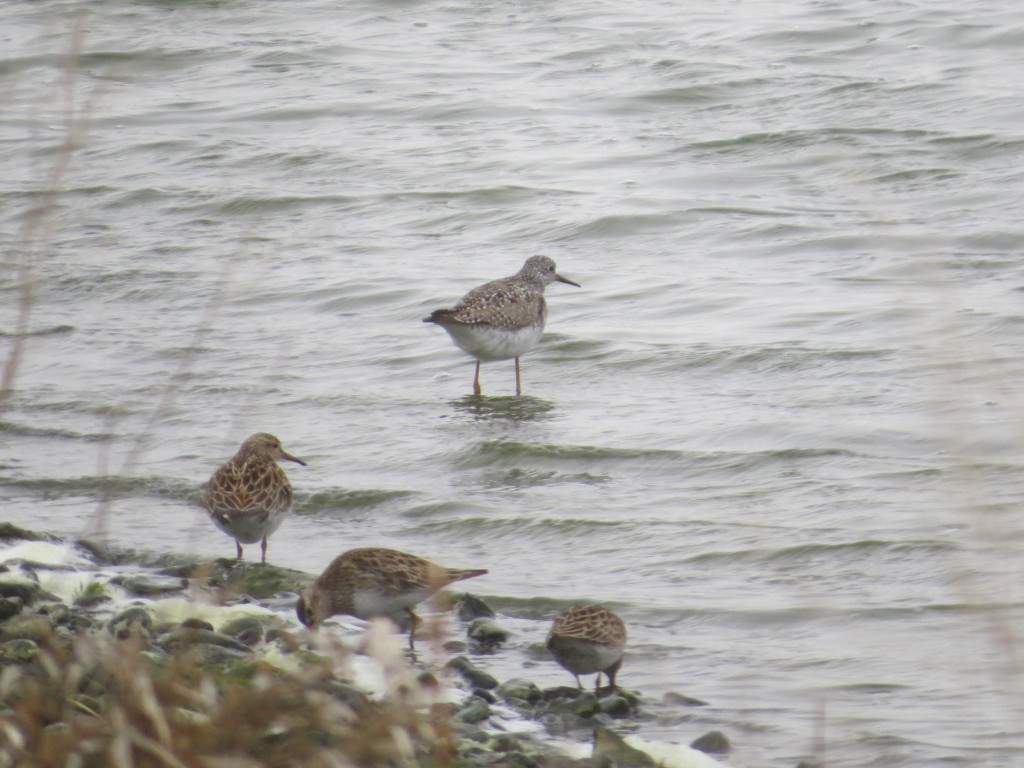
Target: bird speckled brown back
{"type": "Point", "coordinates": [387, 571]}
{"type": "Point", "coordinates": [507, 303]}
{"type": "Point", "coordinates": [510, 303]}
{"type": "Point", "coordinates": [249, 495]}
{"type": "Point", "coordinates": [590, 622]}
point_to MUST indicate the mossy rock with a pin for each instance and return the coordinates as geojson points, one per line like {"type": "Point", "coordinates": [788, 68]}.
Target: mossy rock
{"type": "Point", "coordinates": [10, 532]}
{"type": "Point", "coordinates": [258, 580]}
{"type": "Point", "coordinates": [18, 651]}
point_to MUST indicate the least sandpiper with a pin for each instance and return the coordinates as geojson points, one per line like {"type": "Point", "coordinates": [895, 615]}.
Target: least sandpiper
{"type": "Point", "coordinates": [587, 639]}
{"type": "Point", "coordinates": [501, 319]}
{"type": "Point", "coordinates": [250, 495]}
{"type": "Point", "coordinates": [371, 582]}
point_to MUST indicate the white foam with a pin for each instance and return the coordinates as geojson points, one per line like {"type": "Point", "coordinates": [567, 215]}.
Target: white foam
{"type": "Point", "coordinates": [44, 552]}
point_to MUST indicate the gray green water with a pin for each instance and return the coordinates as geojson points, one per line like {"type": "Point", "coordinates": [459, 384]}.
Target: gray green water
{"type": "Point", "coordinates": [778, 429]}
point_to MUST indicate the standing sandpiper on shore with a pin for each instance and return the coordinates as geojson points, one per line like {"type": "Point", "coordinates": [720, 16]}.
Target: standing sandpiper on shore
{"type": "Point", "coordinates": [586, 639]}
{"type": "Point", "coordinates": [373, 581]}
{"type": "Point", "coordinates": [501, 319]}
{"type": "Point", "coordinates": [249, 496]}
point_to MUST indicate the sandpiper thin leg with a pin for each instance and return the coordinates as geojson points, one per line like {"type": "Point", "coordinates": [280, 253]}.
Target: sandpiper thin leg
{"type": "Point", "coordinates": [476, 379]}
{"type": "Point", "coordinates": [414, 621]}
{"type": "Point", "coordinates": [238, 550]}
{"type": "Point", "coordinates": [519, 386]}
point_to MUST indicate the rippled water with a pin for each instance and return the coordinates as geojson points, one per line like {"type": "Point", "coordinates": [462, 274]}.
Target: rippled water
{"type": "Point", "coordinates": [778, 428]}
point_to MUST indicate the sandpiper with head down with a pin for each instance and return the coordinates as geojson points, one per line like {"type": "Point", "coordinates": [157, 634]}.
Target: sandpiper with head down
{"type": "Point", "coordinates": [371, 582]}
{"type": "Point", "coordinates": [501, 319]}
{"type": "Point", "coordinates": [249, 496]}
{"type": "Point", "coordinates": [586, 639]}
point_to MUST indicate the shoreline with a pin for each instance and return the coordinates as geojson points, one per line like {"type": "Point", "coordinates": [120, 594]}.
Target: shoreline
{"type": "Point", "coordinates": [181, 661]}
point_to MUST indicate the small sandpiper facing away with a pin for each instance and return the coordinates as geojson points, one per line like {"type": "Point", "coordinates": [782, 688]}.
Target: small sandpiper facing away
{"type": "Point", "coordinates": [503, 318]}
{"type": "Point", "coordinates": [371, 582]}
{"type": "Point", "coordinates": [249, 496]}
{"type": "Point", "coordinates": [587, 639]}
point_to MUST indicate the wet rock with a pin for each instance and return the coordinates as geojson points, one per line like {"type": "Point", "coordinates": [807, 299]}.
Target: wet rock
{"type": "Point", "coordinates": [9, 532]}
{"type": "Point", "coordinates": [10, 606]}
{"type": "Point", "coordinates": [19, 651]}
{"type": "Point", "coordinates": [149, 584]}
{"type": "Point", "coordinates": [67, 617]}
{"type": "Point", "coordinates": [99, 552]}
{"type": "Point", "coordinates": [247, 630]}
{"type": "Point", "coordinates": [92, 599]}
{"type": "Point", "coordinates": [520, 689]}
{"type": "Point", "coordinates": [579, 703]}
{"type": "Point", "coordinates": [133, 622]}
{"type": "Point", "coordinates": [679, 700]}
{"type": "Point", "coordinates": [611, 751]}
{"type": "Point", "coordinates": [24, 588]}
{"type": "Point", "coordinates": [194, 623]}
{"type": "Point", "coordinates": [487, 696]}
{"type": "Point", "coordinates": [259, 580]}
{"type": "Point", "coordinates": [469, 607]}
{"type": "Point", "coordinates": [455, 646]}
{"type": "Point", "coordinates": [615, 706]}
{"type": "Point", "coordinates": [232, 662]}
{"type": "Point", "coordinates": [472, 674]}
{"type": "Point", "coordinates": [195, 636]}
{"type": "Point", "coordinates": [476, 711]}
{"type": "Point", "coordinates": [487, 633]}
{"type": "Point", "coordinates": [712, 743]}
{"type": "Point", "coordinates": [560, 692]}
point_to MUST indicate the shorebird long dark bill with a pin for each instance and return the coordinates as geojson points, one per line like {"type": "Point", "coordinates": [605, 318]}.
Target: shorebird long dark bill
{"type": "Point", "coordinates": [567, 281]}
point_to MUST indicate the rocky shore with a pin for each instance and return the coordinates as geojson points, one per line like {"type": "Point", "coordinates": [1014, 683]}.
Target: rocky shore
{"type": "Point", "coordinates": [120, 658]}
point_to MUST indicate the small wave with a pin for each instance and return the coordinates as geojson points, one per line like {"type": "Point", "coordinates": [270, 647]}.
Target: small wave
{"type": "Point", "coordinates": [108, 487]}
{"type": "Point", "coordinates": [811, 551]}
{"type": "Point", "coordinates": [498, 452]}
{"type": "Point", "coordinates": [337, 500]}
{"type": "Point", "coordinates": [24, 430]}
{"type": "Point", "coordinates": [52, 331]}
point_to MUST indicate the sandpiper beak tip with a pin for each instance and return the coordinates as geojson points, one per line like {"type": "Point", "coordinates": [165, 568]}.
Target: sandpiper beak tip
{"type": "Point", "coordinates": [566, 280]}
{"type": "Point", "coordinates": [296, 459]}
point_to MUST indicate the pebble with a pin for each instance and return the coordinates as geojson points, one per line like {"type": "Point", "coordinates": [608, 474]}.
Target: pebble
{"type": "Point", "coordinates": [18, 651]}
{"type": "Point", "coordinates": [679, 700]}
{"type": "Point", "coordinates": [10, 606]}
{"type": "Point", "coordinates": [477, 711]}
{"type": "Point", "coordinates": [487, 633]}
{"type": "Point", "coordinates": [472, 674]}
{"type": "Point", "coordinates": [150, 584]}
{"type": "Point", "coordinates": [520, 689]}
{"type": "Point", "coordinates": [469, 607]}
{"type": "Point", "coordinates": [247, 630]}
{"type": "Point", "coordinates": [133, 622]}
{"type": "Point", "coordinates": [25, 589]}
{"type": "Point", "coordinates": [712, 743]}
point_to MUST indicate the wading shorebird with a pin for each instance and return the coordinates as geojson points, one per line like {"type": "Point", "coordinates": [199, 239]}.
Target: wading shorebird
{"type": "Point", "coordinates": [587, 639]}
{"type": "Point", "coordinates": [249, 496]}
{"type": "Point", "coordinates": [372, 582]}
{"type": "Point", "coordinates": [501, 319]}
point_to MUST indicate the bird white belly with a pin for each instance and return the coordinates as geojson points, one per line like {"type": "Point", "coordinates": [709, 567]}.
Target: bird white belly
{"type": "Point", "coordinates": [487, 343]}
{"type": "Point", "coordinates": [248, 527]}
{"type": "Point", "coordinates": [368, 603]}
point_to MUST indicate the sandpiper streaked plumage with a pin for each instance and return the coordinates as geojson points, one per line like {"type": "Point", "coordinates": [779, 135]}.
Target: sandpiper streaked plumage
{"type": "Point", "coordinates": [249, 496]}
{"type": "Point", "coordinates": [371, 582]}
{"type": "Point", "coordinates": [501, 319]}
{"type": "Point", "coordinates": [586, 639]}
